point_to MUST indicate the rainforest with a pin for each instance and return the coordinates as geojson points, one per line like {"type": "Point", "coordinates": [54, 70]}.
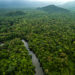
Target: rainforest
{"type": "Point", "coordinates": [50, 34]}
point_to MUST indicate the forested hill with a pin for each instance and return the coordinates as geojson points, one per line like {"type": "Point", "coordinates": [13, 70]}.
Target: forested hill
{"type": "Point", "coordinates": [53, 9]}
{"type": "Point", "coordinates": [15, 13]}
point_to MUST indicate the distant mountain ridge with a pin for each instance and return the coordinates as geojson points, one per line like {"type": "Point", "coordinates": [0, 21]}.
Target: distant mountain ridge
{"type": "Point", "coordinates": [53, 9]}
{"type": "Point", "coordinates": [69, 5]}
{"type": "Point", "coordinates": [35, 4]}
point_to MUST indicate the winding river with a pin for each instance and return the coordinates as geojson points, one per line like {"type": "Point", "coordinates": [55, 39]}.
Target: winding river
{"type": "Point", "coordinates": [35, 61]}
{"type": "Point", "coordinates": [1, 44]}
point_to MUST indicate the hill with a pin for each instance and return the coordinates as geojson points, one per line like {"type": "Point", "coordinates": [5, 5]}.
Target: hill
{"type": "Point", "coordinates": [15, 13]}
{"type": "Point", "coordinates": [53, 9]}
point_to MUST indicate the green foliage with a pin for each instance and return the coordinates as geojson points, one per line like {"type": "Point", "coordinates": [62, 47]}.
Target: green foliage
{"type": "Point", "coordinates": [50, 36]}
{"type": "Point", "coordinates": [14, 59]}
{"type": "Point", "coordinates": [16, 13]}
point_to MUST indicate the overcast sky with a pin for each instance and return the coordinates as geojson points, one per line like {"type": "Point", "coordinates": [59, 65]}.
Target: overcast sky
{"type": "Point", "coordinates": [53, 0]}
{"type": "Point", "coordinates": [57, 1]}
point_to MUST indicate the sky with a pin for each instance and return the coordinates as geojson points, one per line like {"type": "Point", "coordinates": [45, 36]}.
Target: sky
{"type": "Point", "coordinates": [53, 1]}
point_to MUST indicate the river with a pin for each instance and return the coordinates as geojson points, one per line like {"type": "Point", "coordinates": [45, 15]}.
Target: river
{"type": "Point", "coordinates": [1, 44]}
{"type": "Point", "coordinates": [35, 61]}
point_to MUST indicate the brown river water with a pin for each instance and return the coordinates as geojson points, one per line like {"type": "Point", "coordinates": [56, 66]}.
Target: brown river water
{"type": "Point", "coordinates": [35, 61]}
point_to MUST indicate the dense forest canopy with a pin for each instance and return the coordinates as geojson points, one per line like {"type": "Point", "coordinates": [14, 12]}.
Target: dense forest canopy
{"type": "Point", "coordinates": [51, 36]}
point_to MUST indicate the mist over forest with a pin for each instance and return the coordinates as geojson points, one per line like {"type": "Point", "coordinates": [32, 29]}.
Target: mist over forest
{"type": "Point", "coordinates": [37, 37]}
{"type": "Point", "coordinates": [34, 4]}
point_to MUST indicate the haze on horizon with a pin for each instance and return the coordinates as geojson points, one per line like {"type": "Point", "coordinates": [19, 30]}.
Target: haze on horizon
{"type": "Point", "coordinates": [51, 1]}
{"type": "Point", "coordinates": [31, 3]}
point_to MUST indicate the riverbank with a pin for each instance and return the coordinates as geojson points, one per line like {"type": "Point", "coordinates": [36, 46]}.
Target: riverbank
{"type": "Point", "coordinates": [35, 61]}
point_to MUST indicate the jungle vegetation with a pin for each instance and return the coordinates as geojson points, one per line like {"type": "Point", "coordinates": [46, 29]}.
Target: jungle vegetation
{"type": "Point", "coordinates": [51, 36]}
